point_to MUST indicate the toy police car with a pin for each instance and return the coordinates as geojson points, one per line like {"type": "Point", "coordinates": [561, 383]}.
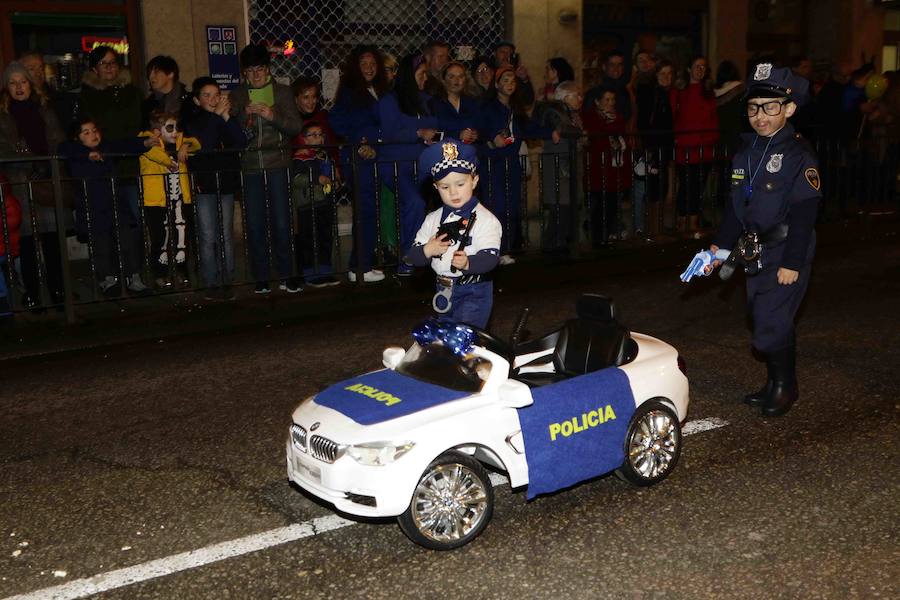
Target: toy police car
{"type": "Point", "coordinates": [412, 440]}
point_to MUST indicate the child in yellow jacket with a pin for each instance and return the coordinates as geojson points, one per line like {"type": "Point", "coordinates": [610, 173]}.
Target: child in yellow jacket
{"type": "Point", "coordinates": [167, 192]}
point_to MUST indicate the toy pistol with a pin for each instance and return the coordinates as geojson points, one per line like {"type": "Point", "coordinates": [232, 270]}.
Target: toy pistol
{"type": "Point", "coordinates": [699, 265]}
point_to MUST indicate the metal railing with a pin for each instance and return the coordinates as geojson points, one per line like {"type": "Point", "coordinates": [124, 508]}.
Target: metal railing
{"type": "Point", "coordinates": [573, 198]}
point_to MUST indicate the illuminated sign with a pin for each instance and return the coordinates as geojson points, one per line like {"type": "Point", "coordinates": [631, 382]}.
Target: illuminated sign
{"type": "Point", "coordinates": [289, 48]}
{"type": "Point", "coordinates": [89, 42]}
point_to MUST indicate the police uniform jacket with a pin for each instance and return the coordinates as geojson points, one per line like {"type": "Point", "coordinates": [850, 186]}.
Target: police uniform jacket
{"type": "Point", "coordinates": [483, 249]}
{"type": "Point", "coordinates": [773, 181]}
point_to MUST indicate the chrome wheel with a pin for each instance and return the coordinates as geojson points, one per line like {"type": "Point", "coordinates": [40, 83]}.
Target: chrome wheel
{"type": "Point", "coordinates": [451, 505]}
{"type": "Point", "coordinates": [652, 445]}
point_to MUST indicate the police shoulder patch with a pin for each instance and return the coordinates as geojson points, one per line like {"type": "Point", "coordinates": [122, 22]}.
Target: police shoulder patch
{"type": "Point", "coordinates": [812, 177]}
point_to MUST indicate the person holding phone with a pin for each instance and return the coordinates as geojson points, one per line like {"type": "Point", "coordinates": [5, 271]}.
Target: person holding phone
{"type": "Point", "coordinates": [505, 55]}
{"type": "Point", "coordinates": [270, 120]}
{"type": "Point", "coordinates": [407, 126]}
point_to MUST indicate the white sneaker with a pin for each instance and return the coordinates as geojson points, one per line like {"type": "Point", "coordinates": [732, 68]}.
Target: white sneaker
{"type": "Point", "coordinates": [108, 282]}
{"type": "Point", "coordinates": [506, 259]}
{"type": "Point", "coordinates": [368, 277]}
{"type": "Point", "coordinates": [135, 283]}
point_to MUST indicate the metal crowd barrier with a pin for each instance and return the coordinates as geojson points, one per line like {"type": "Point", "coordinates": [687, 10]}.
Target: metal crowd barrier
{"type": "Point", "coordinates": [557, 199]}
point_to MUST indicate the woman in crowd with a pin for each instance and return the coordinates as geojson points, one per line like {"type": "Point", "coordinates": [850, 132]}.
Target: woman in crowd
{"type": "Point", "coordinates": [108, 97]}
{"type": "Point", "coordinates": [354, 117]}
{"type": "Point", "coordinates": [730, 105]}
{"type": "Point", "coordinates": [556, 71]}
{"type": "Point", "coordinates": [609, 165]}
{"type": "Point", "coordinates": [504, 126]}
{"type": "Point", "coordinates": [29, 126]}
{"type": "Point", "coordinates": [406, 126]}
{"type": "Point", "coordinates": [697, 133]}
{"type": "Point", "coordinates": [482, 78]}
{"type": "Point", "coordinates": [654, 122]}
{"type": "Point", "coordinates": [457, 113]}
{"type": "Point", "coordinates": [562, 113]}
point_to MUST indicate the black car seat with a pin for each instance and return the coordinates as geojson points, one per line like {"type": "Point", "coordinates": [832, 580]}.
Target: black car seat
{"type": "Point", "coordinates": [593, 341]}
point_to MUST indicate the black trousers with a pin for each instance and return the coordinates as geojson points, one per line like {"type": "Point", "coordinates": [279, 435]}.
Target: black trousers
{"type": "Point", "coordinates": [48, 243]}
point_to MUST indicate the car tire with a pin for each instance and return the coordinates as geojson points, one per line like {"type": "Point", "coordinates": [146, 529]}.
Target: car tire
{"type": "Point", "coordinates": [652, 445]}
{"type": "Point", "coordinates": [451, 505]}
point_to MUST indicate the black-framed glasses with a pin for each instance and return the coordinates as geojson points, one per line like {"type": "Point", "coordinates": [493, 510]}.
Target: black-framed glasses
{"type": "Point", "coordinates": [170, 127]}
{"type": "Point", "coordinates": [772, 108]}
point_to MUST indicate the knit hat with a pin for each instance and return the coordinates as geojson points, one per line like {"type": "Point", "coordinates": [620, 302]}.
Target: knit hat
{"type": "Point", "coordinates": [13, 68]}
{"type": "Point", "coordinates": [501, 71]}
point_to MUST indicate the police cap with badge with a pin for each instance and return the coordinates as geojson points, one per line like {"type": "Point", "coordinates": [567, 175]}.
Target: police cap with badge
{"type": "Point", "coordinates": [769, 81]}
{"type": "Point", "coordinates": [449, 156]}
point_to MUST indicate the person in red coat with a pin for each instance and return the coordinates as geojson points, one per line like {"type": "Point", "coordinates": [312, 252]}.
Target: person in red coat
{"type": "Point", "coordinates": [9, 232]}
{"type": "Point", "coordinates": [609, 165]}
{"type": "Point", "coordinates": [696, 135]}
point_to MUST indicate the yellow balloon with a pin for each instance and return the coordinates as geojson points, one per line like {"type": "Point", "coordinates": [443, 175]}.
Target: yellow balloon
{"type": "Point", "coordinates": [876, 86]}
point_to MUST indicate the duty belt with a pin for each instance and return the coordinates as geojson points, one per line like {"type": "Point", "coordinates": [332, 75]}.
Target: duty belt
{"type": "Point", "coordinates": [463, 279]}
{"type": "Point", "coordinates": [749, 249]}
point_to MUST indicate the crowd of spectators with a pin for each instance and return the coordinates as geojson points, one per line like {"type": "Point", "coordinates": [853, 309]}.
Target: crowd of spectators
{"type": "Point", "coordinates": [156, 177]}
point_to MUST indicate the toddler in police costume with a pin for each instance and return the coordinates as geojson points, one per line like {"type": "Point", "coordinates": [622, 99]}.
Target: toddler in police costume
{"type": "Point", "coordinates": [461, 239]}
{"type": "Point", "coordinates": [769, 226]}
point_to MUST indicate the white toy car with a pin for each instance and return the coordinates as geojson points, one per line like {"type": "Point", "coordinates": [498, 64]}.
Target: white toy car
{"type": "Point", "coordinates": [412, 440]}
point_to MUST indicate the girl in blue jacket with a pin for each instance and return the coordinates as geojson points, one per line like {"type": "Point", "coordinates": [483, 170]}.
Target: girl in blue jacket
{"type": "Point", "coordinates": [354, 117]}
{"type": "Point", "coordinates": [407, 125]}
{"type": "Point", "coordinates": [504, 126]}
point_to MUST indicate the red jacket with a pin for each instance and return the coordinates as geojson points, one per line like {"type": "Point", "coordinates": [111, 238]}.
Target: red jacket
{"type": "Point", "coordinates": [694, 112]}
{"type": "Point", "coordinates": [609, 152]}
{"type": "Point", "coordinates": [320, 118]}
{"type": "Point", "coordinates": [13, 220]}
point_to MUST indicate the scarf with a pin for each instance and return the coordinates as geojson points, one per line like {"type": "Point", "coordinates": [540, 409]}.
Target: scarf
{"type": "Point", "coordinates": [463, 211]}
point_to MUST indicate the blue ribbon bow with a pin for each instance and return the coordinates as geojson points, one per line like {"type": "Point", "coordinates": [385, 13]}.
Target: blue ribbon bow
{"type": "Point", "coordinates": [459, 338]}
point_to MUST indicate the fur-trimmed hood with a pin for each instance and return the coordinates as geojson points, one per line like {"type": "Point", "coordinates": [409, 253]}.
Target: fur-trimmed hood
{"type": "Point", "coordinates": [93, 80]}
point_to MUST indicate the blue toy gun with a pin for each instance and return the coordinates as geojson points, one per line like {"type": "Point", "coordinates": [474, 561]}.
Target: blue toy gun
{"type": "Point", "coordinates": [699, 266]}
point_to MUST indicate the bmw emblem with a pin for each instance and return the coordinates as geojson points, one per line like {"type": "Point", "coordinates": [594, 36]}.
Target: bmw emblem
{"type": "Point", "coordinates": [314, 426]}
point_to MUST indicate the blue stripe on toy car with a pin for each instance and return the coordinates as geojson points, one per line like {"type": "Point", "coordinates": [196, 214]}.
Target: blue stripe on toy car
{"type": "Point", "coordinates": [384, 395]}
{"type": "Point", "coordinates": [576, 429]}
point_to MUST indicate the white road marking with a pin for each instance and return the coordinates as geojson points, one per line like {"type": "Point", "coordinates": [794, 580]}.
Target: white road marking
{"type": "Point", "coordinates": [169, 565]}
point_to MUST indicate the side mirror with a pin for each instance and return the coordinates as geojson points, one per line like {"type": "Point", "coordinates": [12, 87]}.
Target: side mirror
{"type": "Point", "coordinates": [515, 394]}
{"type": "Point", "coordinates": [392, 356]}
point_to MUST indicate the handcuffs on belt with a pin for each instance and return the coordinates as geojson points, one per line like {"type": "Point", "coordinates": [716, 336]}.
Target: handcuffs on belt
{"type": "Point", "coordinates": [748, 252]}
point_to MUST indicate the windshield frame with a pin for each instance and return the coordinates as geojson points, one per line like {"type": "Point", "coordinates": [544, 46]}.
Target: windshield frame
{"type": "Point", "coordinates": [436, 364]}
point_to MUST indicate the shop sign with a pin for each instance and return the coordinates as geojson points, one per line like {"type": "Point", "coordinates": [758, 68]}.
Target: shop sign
{"type": "Point", "coordinates": [120, 45]}
{"type": "Point", "coordinates": [221, 45]}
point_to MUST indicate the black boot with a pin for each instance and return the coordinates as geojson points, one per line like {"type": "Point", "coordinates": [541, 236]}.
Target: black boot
{"type": "Point", "coordinates": [784, 383]}
{"type": "Point", "coordinates": [759, 397]}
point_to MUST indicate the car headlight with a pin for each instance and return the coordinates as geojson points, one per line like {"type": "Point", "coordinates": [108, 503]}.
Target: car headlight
{"type": "Point", "coordinates": [378, 454]}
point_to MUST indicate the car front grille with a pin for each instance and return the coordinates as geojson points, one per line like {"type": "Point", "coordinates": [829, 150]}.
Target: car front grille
{"type": "Point", "coordinates": [324, 449]}
{"type": "Point", "coordinates": [298, 436]}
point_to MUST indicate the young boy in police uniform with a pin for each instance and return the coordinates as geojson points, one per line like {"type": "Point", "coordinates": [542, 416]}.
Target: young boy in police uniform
{"type": "Point", "coordinates": [461, 240]}
{"type": "Point", "coordinates": [769, 225]}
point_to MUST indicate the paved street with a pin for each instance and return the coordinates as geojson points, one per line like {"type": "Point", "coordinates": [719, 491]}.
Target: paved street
{"type": "Point", "coordinates": [112, 458]}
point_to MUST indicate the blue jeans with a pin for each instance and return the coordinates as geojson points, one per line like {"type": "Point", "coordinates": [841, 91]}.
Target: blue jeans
{"type": "Point", "coordinates": [216, 237]}
{"type": "Point", "coordinates": [259, 209]}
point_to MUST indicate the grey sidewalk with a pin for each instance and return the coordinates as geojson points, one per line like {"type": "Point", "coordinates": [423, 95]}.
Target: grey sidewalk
{"type": "Point", "coordinates": [110, 323]}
